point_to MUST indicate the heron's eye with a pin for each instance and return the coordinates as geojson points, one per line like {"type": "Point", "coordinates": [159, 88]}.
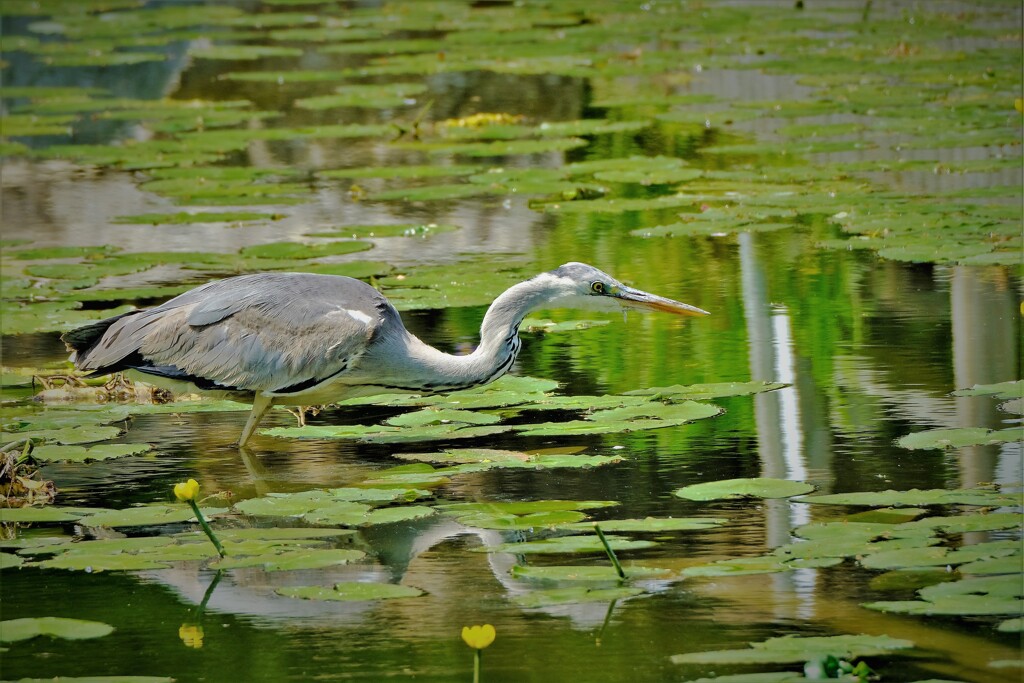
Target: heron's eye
{"type": "Point", "coordinates": [597, 287]}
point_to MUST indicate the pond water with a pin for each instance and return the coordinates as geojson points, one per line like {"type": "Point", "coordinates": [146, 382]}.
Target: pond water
{"type": "Point", "coordinates": [838, 184]}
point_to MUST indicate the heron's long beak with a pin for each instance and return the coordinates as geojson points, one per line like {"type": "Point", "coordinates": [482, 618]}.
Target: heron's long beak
{"type": "Point", "coordinates": [635, 298]}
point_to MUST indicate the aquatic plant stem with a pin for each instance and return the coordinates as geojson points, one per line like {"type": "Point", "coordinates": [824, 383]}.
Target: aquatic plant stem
{"type": "Point", "coordinates": [206, 528]}
{"type": "Point", "coordinates": [477, 656]}
{"type": "Point", "coordinates": [611, 553]}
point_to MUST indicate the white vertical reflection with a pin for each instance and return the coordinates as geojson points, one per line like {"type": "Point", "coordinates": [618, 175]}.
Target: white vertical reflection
{"type": "Point", "coordinates": [780, 436]}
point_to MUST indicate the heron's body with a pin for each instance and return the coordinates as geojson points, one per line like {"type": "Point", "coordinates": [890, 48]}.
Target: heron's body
{"type": "Point", "coordinates": [305, 339]}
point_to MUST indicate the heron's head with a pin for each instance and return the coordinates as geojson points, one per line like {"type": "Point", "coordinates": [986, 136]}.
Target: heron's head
{"type": "Point", "coordinates": [579, 285]}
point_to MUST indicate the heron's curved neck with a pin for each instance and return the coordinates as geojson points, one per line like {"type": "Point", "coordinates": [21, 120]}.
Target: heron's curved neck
{"type": "Point", "coordinates": [499, 341]}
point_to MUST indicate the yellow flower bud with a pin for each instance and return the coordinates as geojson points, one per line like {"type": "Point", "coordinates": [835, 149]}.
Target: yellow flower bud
{"type": "Point", "coordinates": [478, 637]}
{"type": "Point", "coordinates": [191, 635]}
{"type": "Point", "coordinates": [186, 491]}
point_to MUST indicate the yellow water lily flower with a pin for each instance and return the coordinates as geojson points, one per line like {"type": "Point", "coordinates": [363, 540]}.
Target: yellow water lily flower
{"type": "Point", "coordinates": [191, 635]}
{"type": "Point", "coordinates": [186, 491]}
{"type": "Point", "coordinates": [478, 637]}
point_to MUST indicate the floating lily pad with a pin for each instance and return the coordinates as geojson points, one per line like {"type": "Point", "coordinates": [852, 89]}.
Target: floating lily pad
{"type": "Point", "coordinates": [303, 558]}
{"type": "Point", "coordinates": [411, 171]}
{"type": "Point", "coordinates": [81, 454]}
{"type": "Point", "coordinates": [940, 556]}
{"type": "Point", "coordinates": [959, 437]}
{"type": "Point", "coordinates": [767, 564]}
{"type": "Point", "coordinates": [1012, 389]}
{"type": "Point", "coordinates": [569, 596]}
{"type": "Point", "coordinates": [40, 514]}
{"type": "Point", "coordinates": [14, 630]}
{"type": "Point", "coordinates": [9, 561]}
{"type": "Point", "coordinates": [706, 391]}
{"type": "Point", "coordinates": [185, 217]}
{"type": "Point", "coordinates": [759, 487]}
{"type": "Point", "coordinates": [789, 649]}
{"type": "Point", "coordinates": [598, 573]}
{"type": "Point", "coordinates": [351, 592]}
{"type": "Point", "coordinates": [149, 515]}
{"type": "Point", "coordinates": [73, 435]}
{"type": "Point", "coordinates": [568, 544]}
{"type": "Point", "coordinates": [917, 497]}
{"type": "Point", "coordinates": [366, 95]}
{"type": "Point", "coordinates": [657, 524]}
{"type": "Point", "coordinates": [244, 52]}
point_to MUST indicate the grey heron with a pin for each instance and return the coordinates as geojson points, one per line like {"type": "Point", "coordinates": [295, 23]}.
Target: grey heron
{"type": "Point", "coordinates": [305, 339]}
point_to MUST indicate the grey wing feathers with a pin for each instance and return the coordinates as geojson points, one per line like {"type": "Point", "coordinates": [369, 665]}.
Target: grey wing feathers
{"type": "Point", "coordinates": [264, 332]}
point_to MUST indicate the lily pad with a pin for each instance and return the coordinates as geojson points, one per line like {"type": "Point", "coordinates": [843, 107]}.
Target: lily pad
{"type": "Point", "coordinates": [149, 515]}
{"type": "Point", "coordinates": [706, 391]}
{"type": "Point", "coordinates": [570, 596]}
{"type": "Point", "coordinates": [959, 437]}
{"type": "Point", "coordinates": [656, 524]}
{"type": "Point", "coordinates": [366, 95]}
{"type": "Point", "coordinates": [568, 544]}
{"type": "Point", "coordinates": [918, 497]}
{"type": "Point", "coordinates": [81, 454]}
{"type": "Point", "coordinates": [939, 556]}
{"type": "Point", "coordinates": [302, 558]}
{"type": "Point", "coordinates": [731, 489]}
{"type": "Point", "coordinates": [244, 52]}
{"type": "Point", "coordinates": [351, 592]}
{"type": "Point", "coordinates": [766, 564]}
{"type": "Point", "coordinates": [596, 573]}
{"type": "Point", "coordinates": [14, 630]}
{"type": "Point", "coordinates": [790, 649]}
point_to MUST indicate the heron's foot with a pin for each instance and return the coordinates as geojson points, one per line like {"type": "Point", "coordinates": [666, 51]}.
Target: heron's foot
{"type": "Point", "coordinates": [301, 411]}
{"type": "Point", "coordinates": [55, 381]}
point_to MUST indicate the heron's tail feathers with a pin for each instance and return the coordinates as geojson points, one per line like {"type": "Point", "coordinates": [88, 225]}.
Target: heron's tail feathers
{"type": "Point", "coordinates": [81, 339]}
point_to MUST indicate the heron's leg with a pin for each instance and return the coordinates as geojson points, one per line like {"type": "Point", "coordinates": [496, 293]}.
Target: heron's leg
{"type": "Point", "coordinates": [260, 405]}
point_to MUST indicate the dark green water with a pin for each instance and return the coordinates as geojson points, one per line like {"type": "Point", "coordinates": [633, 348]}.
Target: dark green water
{"type": "Point", "coordinates": [870, 349]}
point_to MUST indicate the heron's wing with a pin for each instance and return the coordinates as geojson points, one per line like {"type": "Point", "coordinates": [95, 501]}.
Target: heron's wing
{"type": "Point", "coordinates": [271, 332]}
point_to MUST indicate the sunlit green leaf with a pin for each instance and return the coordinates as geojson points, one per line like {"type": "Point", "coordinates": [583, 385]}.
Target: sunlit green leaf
{"type": "Point", "coordinates": [758, 487]}
{"type": "Point", "coordinates": [350, 592]}
{"type": "Point", "coordinates": [14, 630]}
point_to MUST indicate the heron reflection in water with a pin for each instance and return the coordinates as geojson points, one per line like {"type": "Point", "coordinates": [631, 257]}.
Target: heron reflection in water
{"type": "Point", "coordinates": [303, 339]}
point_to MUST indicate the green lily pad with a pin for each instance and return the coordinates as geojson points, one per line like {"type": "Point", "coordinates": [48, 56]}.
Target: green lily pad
{"type": "Point", "coordinates": [430, 416]}
{"type": "Point", "coordinates": [959, 437]}
{"type": "Point", "coordinates": [303, 558]}
{"type": "Point", "coordinates": [394, 230]}
{"type": "Point", "coordinates": [351, 592]}
{"type": "Point", "coordinates": [1011, 389]}
{"type": "Point", "coordinates": [14, 630]}
{"type": "Point", "coordinates": [389, 515]}
{"type": "Point", "coordinates": [656, 524]}
{"type": "Point", "coordinates": [296, 504]}
{"type": "Point", "coordinates": [939, 556]}
{"type": "Point", "coordinates": [964, 605]}
{"type": "Point", "coordinates": [385, 95]}
{"type": "Point", "coordinates": [1011, 625]}
{"type": "Point", "coordinates": [570, 596]}
{"type": "Point", "coordinates": [244, 52]}
{"type": "Point", "coordinates": [397, 172]}
{"type": "Point", "coordinates": [536, 520]}
{"type": "Point", "coordinates": [730, 489]}
{"type": "Point", "coordinates": [9, 561]}
{"type": "Point", "coordinates": [81, 454]}
{"type": "Point", "coordinates": [918, 497]}
{"type": "Point", "coordinates": [39, 514]}
{"type": "Point", "coordinates": [568, 544]}
{"type": "Point", "coordinates": [959, 524]}
{"type": "Point", "coordinates": [187, 217]}
{"type": "Point", "coordinates": [597, 573]}
{"type": "Point", "coordinates": [790, 649]}
{"type": "Point", "coordinates": [767, 564]}
{"type": "Point", "coordinates": [706, 391]}
{"type": "Point", "coordinates": [297, 250]}
{"type": "Point", "coordinates": [996, 565]}
{"type": "Point", "coordinates": [149, 515]}
{"type": "Point", "coordinates": [73, 435]}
